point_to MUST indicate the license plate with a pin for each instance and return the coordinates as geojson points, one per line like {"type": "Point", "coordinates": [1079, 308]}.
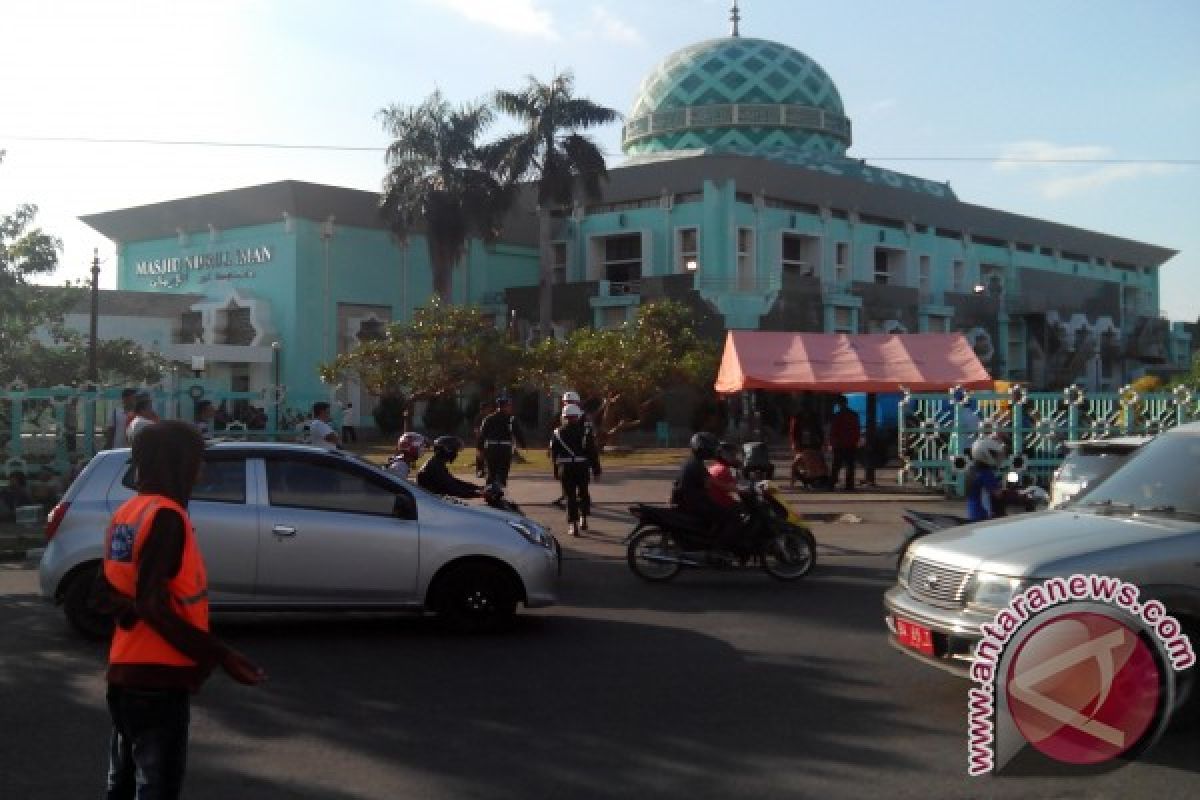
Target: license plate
{"type": "Point", "coordinates": [918, 637]}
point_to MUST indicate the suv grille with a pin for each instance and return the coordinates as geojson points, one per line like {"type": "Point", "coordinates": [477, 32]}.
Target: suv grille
{"type": "Point", "coordinates": [936, 584]}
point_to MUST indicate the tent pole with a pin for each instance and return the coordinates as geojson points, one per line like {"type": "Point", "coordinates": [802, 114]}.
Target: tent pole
{"type": "Point", "coordinates": [869, 450]}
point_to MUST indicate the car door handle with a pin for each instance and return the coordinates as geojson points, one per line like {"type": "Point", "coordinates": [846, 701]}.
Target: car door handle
{"type": "Point", "coordinates": [283, 530]}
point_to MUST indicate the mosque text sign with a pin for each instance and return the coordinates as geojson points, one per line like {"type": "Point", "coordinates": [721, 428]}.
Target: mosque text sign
{"type": "Point", "coordinates": [173, 271]}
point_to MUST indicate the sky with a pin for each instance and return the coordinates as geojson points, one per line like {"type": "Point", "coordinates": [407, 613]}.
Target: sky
{"type": "Point", "coordinates": [990, 95]}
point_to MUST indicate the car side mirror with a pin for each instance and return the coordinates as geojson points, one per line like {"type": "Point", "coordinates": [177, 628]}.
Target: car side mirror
{"type": "Point", "coordinates": [405, 506]}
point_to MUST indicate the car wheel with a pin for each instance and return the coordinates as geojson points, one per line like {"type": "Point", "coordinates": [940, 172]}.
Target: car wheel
{"type": "Point", "coordinates": [477, 598]}
{"type": "Point", "coordinates": [79, 608]}
{"type": "Point", "coordinates": [1187, 705]}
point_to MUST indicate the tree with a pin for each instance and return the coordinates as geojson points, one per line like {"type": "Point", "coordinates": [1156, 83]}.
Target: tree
{"type": "Point", "coordinates": [626, 370]}
{"type": "Point", "coordinates": [551, 151]}
{"type": "Point", "coordinates": [444, 350]}
{"type": "Point", "coordinates": [440, 182]}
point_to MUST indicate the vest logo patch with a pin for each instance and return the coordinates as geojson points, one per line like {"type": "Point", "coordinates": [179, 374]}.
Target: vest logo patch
{"type": "Point", "coordinates": [120, 547]}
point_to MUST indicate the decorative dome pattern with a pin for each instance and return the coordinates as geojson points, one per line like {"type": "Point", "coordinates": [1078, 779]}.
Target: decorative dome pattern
{"type": "Point", "coordinates": [737, 92]}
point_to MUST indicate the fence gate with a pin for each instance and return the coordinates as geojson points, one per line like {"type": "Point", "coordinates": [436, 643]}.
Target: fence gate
{"type": "Point", "coordinates": [936, 430]}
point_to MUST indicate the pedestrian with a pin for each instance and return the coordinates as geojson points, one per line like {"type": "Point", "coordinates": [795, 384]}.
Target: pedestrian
{"type": "Point", "coordinates": [155, 584]}
{"type": "Point", "coordinates": [118, 421]}
{"type": "Point", "coordinates": [320, 432]}
{"type": "Point", "coordinates": [144, 415]}
{"type": "Point", "coordinates": [573, 452]}
{"type": "Point", "coordinates": [349, 423]}
{"type": "Point", "coordinates": [499, 435]}
{"type": "Point", "coordinates": [808, 459]}
{"type": "Point", "coordinates": [571, 396]}
{"type": "Point", "coordinates": [844, 433]}
{"type": "Point", "coordinates": [205, 412]}
{"type": "Point", "coordinates": [14, 495]}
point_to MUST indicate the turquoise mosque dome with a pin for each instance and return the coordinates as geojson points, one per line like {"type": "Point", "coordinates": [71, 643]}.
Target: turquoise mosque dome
{"type": "Point", "coordinates": [737, 94]}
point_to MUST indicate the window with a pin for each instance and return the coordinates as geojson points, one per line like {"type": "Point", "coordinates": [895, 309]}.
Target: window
{"type": "Point", "coordinates": [799, 254]}
{"type": "Point", "coordinates": [923, 276]}
{"type": "Point", "coordinates": [558, 262]}
{"type": "Point", "coordinates": [745, 258]}
{"type": "Point", "coordinates": [623, 258]}
{"type": "Point", "coordinates": [958, 276]}
{"type": "Point", "coordinates": [882, 272]}
{"type": "Point", "coordinates": [329, 487]}
{"type": "Point", "coordinates": [687, 250]}
{"type": "Point", "coordinates": [221, 481]}
{"type": "Point", "coordinates": [841, 263]}
{"type": "Point", "coordinates": [191, 328]}
{"type": "Point", "coordinates": [238, 328]}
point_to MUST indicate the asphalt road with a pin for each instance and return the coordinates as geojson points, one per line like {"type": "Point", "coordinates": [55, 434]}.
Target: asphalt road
{"type": "Point", "coordinates": [714, 686]}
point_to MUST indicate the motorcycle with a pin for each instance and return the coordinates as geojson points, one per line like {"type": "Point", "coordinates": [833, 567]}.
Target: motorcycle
{"type": "Point", "coordinates": [664, 539]}
{"type": "Point", "coordinates": [1020, 496]}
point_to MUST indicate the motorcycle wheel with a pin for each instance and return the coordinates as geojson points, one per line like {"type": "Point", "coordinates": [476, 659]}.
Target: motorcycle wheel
{"type": "Point", "coordinates": [790, 554]}
{"type": "Point", "coordinates": [648, 543]}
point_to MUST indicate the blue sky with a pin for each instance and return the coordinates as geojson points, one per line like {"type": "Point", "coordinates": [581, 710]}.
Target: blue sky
{"type": "Point", "coordinates": [926, 79]}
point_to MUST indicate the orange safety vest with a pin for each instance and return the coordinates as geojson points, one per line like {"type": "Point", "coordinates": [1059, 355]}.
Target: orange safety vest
{"type": "Point", "coordinates": [123, 543]}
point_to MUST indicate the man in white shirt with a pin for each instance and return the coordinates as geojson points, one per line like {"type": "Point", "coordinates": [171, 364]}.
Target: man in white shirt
{"type": "Point", "coordinates": [321, 433]}
{"type": "Point", "coordinates": [118, 421]}
{"type": "Point", "coordinates": [349, 423]}
{"type": "Point", "coordinates": [143, 415]}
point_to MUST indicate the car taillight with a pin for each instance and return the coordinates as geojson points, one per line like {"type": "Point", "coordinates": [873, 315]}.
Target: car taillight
{"type": "Point", "coordinates": [55, 518]}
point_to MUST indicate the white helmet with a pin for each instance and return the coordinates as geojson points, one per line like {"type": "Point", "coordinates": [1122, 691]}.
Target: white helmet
{"type": "Point", "coordinates": [572, 410]}
{"type": "Point", "coordinates": [570, 396]}
{"type": "Point", "coordinates": [988, 451]}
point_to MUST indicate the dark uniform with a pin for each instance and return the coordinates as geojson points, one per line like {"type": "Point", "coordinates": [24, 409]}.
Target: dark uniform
{"type": "Point", "coordinates": [573, 451]}
{"type": "Point", "coordinates": [498, 434]}
{"type": "Point", "coordinates": [435, 477]}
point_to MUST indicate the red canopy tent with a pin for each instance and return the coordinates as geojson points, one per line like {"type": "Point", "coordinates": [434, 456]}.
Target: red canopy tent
{"type": "Point", "coordinates": [841, 362]}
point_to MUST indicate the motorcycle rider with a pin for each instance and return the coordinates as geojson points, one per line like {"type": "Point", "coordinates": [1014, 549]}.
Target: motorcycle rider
{"type": "Point", "coordinates": [499, 434]}
{"type": "Point", "coordinates": [573, 452]}
{"type": "Point", "coordinates": [722, 484]}
{"type": "Point", "coordinates": [435, 475]}
{"type": "Point", "coordinates": [691, 495]}
{"type": "Point", "coordinates": [408, 449]}
{"type": "Point", "coordinates": [986, 495]}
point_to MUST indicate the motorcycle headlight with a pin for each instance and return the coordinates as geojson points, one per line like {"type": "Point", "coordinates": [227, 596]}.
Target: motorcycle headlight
{"type": "Point", "coordinates": [994, 591]}
{"type": "Point", "coordinates": [533, 533]}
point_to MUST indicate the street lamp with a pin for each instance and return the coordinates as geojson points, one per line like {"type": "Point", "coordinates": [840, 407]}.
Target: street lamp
{"type": "Point", "coordinates": [93, 323]}
{"type": "Point", "coordinates": [275, 359]}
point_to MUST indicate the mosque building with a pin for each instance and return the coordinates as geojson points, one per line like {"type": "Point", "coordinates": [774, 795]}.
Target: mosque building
{"type": "Point", "coordinates": [738, 197]}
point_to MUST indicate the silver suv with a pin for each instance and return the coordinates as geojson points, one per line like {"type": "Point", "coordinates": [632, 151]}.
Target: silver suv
{"type": "Point", "coordinates": [292, 527]}
{"type": "Point", "coordinates": [1141, 525]}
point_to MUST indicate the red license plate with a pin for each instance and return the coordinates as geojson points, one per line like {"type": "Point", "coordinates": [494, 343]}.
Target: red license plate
{"type": "Point", "coordinates": [918, 637]}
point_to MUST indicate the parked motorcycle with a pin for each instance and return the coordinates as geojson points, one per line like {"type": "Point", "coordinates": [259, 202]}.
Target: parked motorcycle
{"type": "Point", "coordinates": [1021, 496]}
{"type": "Point", "coordinates": [664, 539]}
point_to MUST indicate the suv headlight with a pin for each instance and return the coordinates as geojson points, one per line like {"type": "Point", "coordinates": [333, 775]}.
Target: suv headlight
{"type": "Point", "coordinates": [533, 533]}
{"type": "Point", "coordinates": [905, 565]}
{"type": "Point", "coordinates": [994, 591]}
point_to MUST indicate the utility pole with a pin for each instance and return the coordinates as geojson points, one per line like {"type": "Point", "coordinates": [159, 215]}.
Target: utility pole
{"type": "Point", "coordinates": [93, 374]}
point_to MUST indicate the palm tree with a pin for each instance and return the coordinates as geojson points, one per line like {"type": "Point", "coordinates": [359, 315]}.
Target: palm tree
{"type": "Point", "coordinates": [440, 182]}
{"type": "Point", "coordinates": [551, 152]}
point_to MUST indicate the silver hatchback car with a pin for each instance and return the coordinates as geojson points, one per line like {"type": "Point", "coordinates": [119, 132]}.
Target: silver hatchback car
{"type": "Point", "coordinates": [290, 527]}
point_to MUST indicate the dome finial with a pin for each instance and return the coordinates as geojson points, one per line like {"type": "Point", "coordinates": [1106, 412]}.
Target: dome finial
{"type": "Point", "coordinates": [734, 19]}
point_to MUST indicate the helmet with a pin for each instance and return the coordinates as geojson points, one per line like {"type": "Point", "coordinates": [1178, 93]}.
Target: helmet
{"type": "Point", "coordinates": [988, 451]}
{"type": "Point", "coordinates": [728, 454]}
{"type": "Point", "coordinates": [704, 444]}
{"type": "Point", "coordinates": [572, 410]}
{"type": "Point", "coordinates": [410, 445]}
{"type": "Point", "coordinates": [447, 446]}
{"type": "Point", "coordinates": [570, 396]}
